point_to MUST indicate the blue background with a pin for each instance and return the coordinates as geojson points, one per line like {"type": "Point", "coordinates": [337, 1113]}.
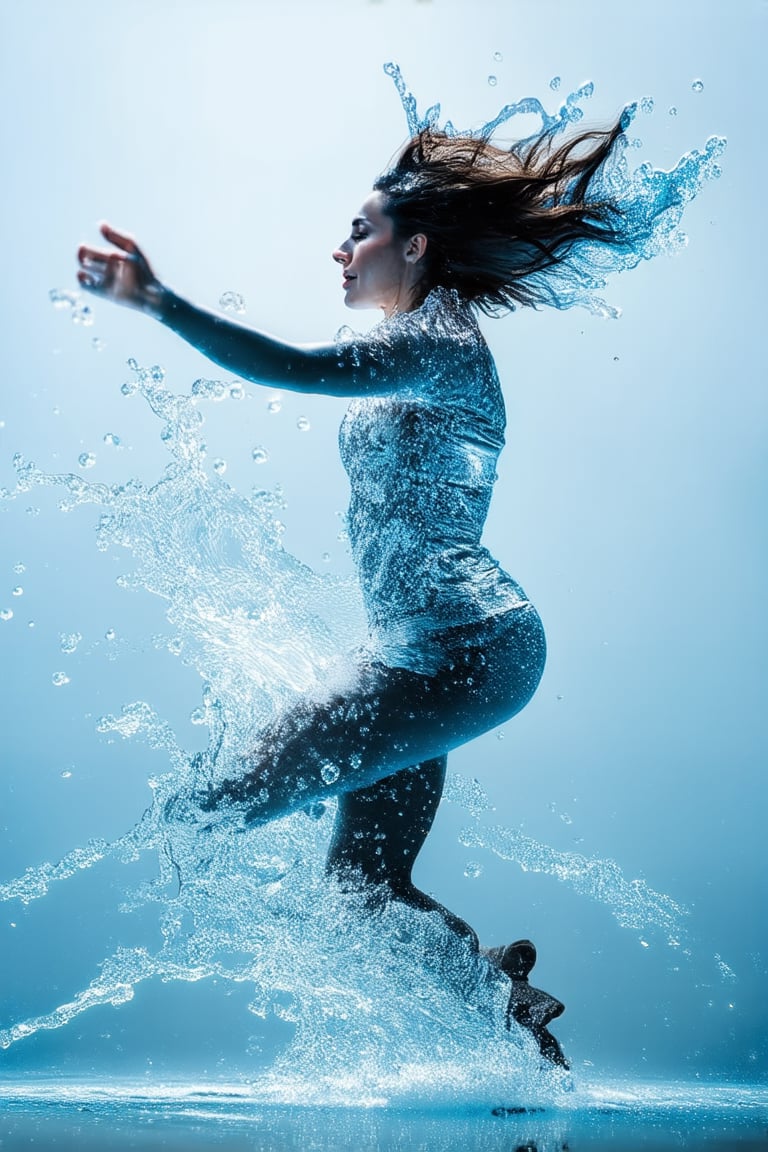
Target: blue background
{"type": "Point", "coordinates": [236, 140]}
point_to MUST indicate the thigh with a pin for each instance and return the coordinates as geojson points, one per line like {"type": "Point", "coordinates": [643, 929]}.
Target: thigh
{"type": "Point", "coordinates": [385, 720]}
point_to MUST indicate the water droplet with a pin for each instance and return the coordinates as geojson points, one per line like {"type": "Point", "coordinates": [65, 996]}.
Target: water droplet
{"type": "Point", "coordinates": [498, 57]}
{"type": "Point", "coordinates": [500, 735]}
{"type": "Point", "coordinates": [274, 405]}
{"type": "Point", "coordinates": [111, 438]}
{"type": "Point", "coordinates": [19, 568]}
{"type": "Point", "coordinates": [647, 105]}
{"type": "Point", "coordinates": [492, 81]}
{"type": "Point", "coordinates": [86, 459]}
{"type": "Point", "coordinates": [68, 641]}
{"type": "Point", "coordinates": [326, 557]}
{"type": "Point", "coordinates": [17, 591]}
{"type": "Point", "coordinates": [63, 297]}
{"type": "Point", "coordinates": [66, 774]}
{"type": "Point", "coordinates": [219, 466]}
{"type": "Point", "coordinates": [260, 455]}
{"type": "Point", "coordinates": [59, 678]}
{"type": "Point", "coordinates": [133, 364]}
{"type": "Point", "coordinates": [82, 314]}
{"type": "Point", "coordinates": [673, 111]}
{"type": "Point", "coordinates": [303, 424]}
{"type": "Point", "coordinates": [237, 391]}
{"type": "Point", "coordinates": [232, 302]}
{"type": "Point", "coordinates": [554, 83]}
{"type": "Point", "coordinates": [697, 86]}
{"type": "Point", "coordinates": [329, 773]}
{"type": "Point", "coordinates": [644, 943]}
{"type": "Point", "coordinates": [110, 634]}
{"type": "Point", "coordinates": [129, 388]}
{"type": "Point", "coordinates": [473, 869]}
{"type": "Point", "coordinates": [98, 344]}
{"type": "Point", "coordinates": [6, 614]}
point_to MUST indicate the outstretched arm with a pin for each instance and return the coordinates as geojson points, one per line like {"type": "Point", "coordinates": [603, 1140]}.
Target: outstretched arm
{"type": "Point", "coordinates": [124, 275]}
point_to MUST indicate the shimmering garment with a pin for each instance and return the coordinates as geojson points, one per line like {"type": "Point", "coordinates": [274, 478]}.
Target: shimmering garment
{"type": "Point", "coordinates": [421, 458]}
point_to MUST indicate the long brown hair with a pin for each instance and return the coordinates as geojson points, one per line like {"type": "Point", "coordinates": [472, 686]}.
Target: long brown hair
{"type": "Point", "coordinates": [496, 219]}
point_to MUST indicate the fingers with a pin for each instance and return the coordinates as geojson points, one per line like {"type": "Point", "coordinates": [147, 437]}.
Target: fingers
{"type": "Point", "coordinates": [120, 239]}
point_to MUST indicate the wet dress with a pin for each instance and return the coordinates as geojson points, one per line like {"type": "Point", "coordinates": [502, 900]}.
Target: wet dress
{"type": "Point", "coordinates": [420, 447]}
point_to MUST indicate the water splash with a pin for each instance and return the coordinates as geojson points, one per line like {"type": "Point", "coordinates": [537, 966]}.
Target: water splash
{"type": "Point", "coordinates": [651, 200]}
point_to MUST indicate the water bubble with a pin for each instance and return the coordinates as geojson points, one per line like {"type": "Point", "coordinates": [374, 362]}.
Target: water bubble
{"type": "Point", "coordinates": [644, 943]}
{"type": "Point", "coordinates": [500, 735]}
{"type": "Point", "coordinates": [259, 455]}
{"type": "Point", "coordinates": [647, 105]}
{"type": "Point", "coordinates": [232, 302]}
{"type": "Point", "coordinates": [498, 57]}
{"type": "Point", "coordinates": [59, 678]}
{"type": "Point", "coordinates": [19, 568]}
{"type": "Point", "coordinates": [6, 614]}
{"type": "Point", "coordinates": [555, 83]}
{"type": "Point", "coordinates": [133, 364]}
{"type": "Point", "coordinates": [98, 344]}
{"type": "Point", "coordinates": [492, 80]}
{"type": "Point", "coordinates": [111, 438]}
{"type": "Point", "coordinates": [473, 869]}
{"type": "Point", "coordinates": [198, 716]}
{"type": "Point", "coordinates": [329, 773]}
{"type": "Point", "coordinates": [110, 634]}
{"type": "Point", "coordinates": [157, 374]}
{"type": "Point", "coordinates": [82, 314]}
{"type": "Point", "coordinates": [86, 459]}
{"type": "Point", "coordinates": [17, 591]}
{"type": "Point", "coordinates": [326, 557]}
{"type": "Point", "coordinates": [68, 641]}
{"type": "Point", "coordinates": [274, 405]}
{"type": "Point", "coordinates": [673, 110]}
{"type": "Point", "coordinates": [219, 466]}
{"type": "Point", "coordinates": [63, 298]}
{"type": "Point", "coordinates": [303, 424]}
{"type": "Point", "coordinates": [237, 391]}
{"type": "Point", "coordinates": [566, 819]}
{"type": "Point", "coordinates": [129, 388]}
{"type": "Point", "coordinates": [66, 774]}
{"type": "Point", "coordinates": [697, 86]}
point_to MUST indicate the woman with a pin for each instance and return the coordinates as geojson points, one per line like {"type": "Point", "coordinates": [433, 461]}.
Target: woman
{"type": "Point", "coordinates": [455, 646]}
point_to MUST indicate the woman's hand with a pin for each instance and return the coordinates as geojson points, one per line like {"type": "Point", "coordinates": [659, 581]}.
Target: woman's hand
{"type": "Point", "coordinates": [125, 276]}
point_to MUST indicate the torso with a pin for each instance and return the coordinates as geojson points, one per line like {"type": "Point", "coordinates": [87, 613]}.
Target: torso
{"type": "Point", "coordinates": [422, 464]}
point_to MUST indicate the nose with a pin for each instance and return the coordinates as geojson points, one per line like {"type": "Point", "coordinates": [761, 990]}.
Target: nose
{"type": "Point", "coordinates": [341, 255]}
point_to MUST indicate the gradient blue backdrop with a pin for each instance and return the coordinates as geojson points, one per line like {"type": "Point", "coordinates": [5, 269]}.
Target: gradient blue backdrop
{"type": "Point", "coordinates": [236, 139]}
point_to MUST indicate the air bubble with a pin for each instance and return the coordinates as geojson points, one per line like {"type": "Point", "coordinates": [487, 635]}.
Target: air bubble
{"type": "Point", "coordinates": [329, 773]}
{"type": "Point", "coordinates": [274, 405]}
{"type": "Point", "coordinates": [499, 735]}
{"type": "Point", "coordinates": [129, 388]}
{"type": "Point", "coordinates": [86, 459]}
{"type": "Point", "coordinates": [19, 568]}
{"type": "Point", "coordinates": [110, 634]}
{"type": "Point", "coordinates": [492, 80]}
{"type": "Point", "coordinates": [260, 455]}
{"type": "Point", "coordinates": [63, 298]}
{"type": "Point", "coordinates": [473, 869]}
{"type": "Point", "coordinates": [498, 57]}
{"type": "Point", "coordinates": [647, 105]}
{"type": "Point", "coordinates": [673, 111]}
{"type": "Point", "coordinates": [17, 591]}
{"type": "Point", "coordinates": [232, 302]}
{"type": "Point", "coordinates": [68, 641]}
{"type": "Point", "coordinates": [555, 83]}
{"type": "Point", "coordinates": [219, 466]}
{"type": "Point", "coordinates": [98, 344]}
{"type": "Point", "coordinates": [6, 613]}
{"type": "Point", "coordinates": [66, 774]}
{"type": "Point", "coordinates": [237, 391]}
{"type": "Point", "coordinates": [59, 678]}
{"type": "Point", "coordinates": [303, 424]}
{"type": "Point", "coordinates": [697, 86]}
{"type": "Point", "coordinates": [111, 438]}
{"type": "Point", "coordinates": [83, 314]}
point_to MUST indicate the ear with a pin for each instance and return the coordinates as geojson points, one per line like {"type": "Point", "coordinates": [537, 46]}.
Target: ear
{"type": "Point", "coordinates": [415, 248]}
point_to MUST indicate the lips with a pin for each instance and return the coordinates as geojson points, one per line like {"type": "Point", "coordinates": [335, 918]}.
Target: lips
{"type": "Point", "coordinates": [347, 280]}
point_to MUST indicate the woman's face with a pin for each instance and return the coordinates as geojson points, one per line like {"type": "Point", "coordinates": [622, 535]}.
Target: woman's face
{"type": "Point", "coordinates": [379, 270]}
